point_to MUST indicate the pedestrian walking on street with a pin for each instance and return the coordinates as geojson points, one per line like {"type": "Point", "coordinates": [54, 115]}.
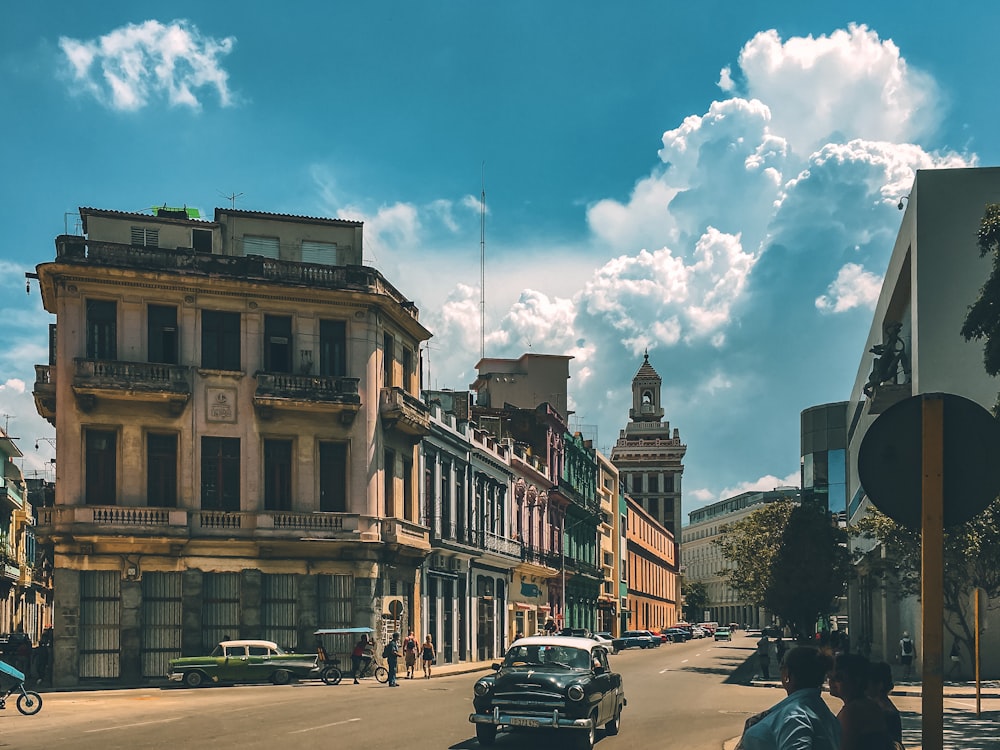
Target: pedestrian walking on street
{"type": "Point", "coordinates": [428, 655]}
{"type": "Point", "coordinates": [360, 657]}
{"type": "Point", "coordinates": [879, 687]}
{"type": "Point", "coordinates": [779, 649]}
{"type": "Point", "coordinates": [410, 646]}
{"type": "Point", "coordinates": [956, 659]}
{"type": "Point", "coordinates": [764, 657]}
{"type": "Point", "coordinates": [862, 724]}
{"type": "Point", "coordinates": [906, 652]}
{"type": "Point", "coordinates": [802, 719]}
{"type": "Point", "coordinates": [392, 658]}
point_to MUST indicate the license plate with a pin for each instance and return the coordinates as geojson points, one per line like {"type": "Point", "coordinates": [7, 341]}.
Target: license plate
{"type": "Point", "coordinates": [519, 722]}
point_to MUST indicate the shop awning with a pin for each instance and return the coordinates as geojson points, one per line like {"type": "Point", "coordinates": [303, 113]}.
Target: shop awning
{"type": "Point", "coordinates": [544, 607]}
{"type": "Point", "coordinates": [522, 605]}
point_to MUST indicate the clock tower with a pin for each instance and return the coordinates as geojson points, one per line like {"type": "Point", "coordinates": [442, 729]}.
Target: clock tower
{"type": "Point", "coordinates": [648, 456]}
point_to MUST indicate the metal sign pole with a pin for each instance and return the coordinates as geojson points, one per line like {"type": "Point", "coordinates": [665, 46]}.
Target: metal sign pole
{"type": "Point", "coordinates": [932, 572]}
{"type": "Point", "coordinates": [979, 696]}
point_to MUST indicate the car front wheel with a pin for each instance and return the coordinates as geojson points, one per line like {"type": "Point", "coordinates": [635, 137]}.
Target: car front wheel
{"type": "Point", "coordinates": [486, 734]}
{"type": "Point", "coordinates": [194, 679]}
{"type": "Point", "coordinates": [585, 739]}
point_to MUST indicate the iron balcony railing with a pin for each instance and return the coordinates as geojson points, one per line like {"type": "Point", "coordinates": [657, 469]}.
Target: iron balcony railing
{"type": "Point", "coordinates": [74, 249]}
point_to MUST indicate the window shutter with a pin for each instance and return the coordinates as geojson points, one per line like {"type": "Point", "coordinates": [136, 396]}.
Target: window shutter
{"type": "Point", "coordinates": [265, 246]}
{"type": "Point", "coordinates": [324, 253]}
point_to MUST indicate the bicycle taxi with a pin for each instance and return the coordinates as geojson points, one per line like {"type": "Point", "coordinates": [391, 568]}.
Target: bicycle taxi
{"type": "Point", "coordinates": [342, 641]}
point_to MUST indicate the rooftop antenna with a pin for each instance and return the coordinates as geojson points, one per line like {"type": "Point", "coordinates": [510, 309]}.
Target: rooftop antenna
{"type": "Point", "coordinates": [232, 198]}
{"type": "Point", "coordinates": [482, 267]}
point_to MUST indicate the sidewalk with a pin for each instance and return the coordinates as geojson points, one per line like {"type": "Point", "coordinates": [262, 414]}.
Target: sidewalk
{"type": "Point", "coordinates": [442, 670]}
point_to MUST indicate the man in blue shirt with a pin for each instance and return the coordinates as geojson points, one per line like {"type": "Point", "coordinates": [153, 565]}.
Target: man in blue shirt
{"type": "Point", "coordinates": [802, 721]}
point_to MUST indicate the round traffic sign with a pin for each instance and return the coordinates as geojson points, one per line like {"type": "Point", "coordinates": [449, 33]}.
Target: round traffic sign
{"type": "Point", "coordinates": [891, 457]}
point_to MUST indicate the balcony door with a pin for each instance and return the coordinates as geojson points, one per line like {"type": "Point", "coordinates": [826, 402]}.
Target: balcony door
{"type": "Point", "coordinates": [102, 467]}
{"type": "Point", "coordinates": [333, 477]}
{"type": "Point", "coordinates": [220, 473]}
{"type": "Point", "coordinates": [102, 329]}
{"type": "Point", "coordinates": [162, 333]}
{"type": "Point", "coordinates": [278, 474]}
{"type": "Point", "coordinates": [161, 471]}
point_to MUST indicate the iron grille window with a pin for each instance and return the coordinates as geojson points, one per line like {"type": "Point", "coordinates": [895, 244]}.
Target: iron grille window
{"type": "Point", "coordinates": [101, 464]}
{"type": "Point", "coordinates": [161, 467]}
{"type": "Point", "coordinates": [278, 474]}
{"type": "Point", "coordinates": [102, 329]}
{"type": "Point", "coordinates": [220, 473]}
{"type": "Point", "coordinates": [162, 330]}
{"type": "Point", "coordinates": [220, 340]}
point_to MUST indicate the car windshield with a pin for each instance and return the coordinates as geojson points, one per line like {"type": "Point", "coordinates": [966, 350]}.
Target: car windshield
{"type": "Point", "coordinates": [562, 657]}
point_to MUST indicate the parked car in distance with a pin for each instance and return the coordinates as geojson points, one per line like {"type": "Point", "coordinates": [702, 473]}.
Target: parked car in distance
{"type": "Point", "coordinates": [698, 632]}
{"type": "Point", "coordinates": [242, 661]}
{"type": "Point", "coordinates": [677, 635]}
{"type": "Point", "coordinates": [550, 682]}
{"type": "Point", "coordinates": [605, 639]}
{"type": "Point", "coordinates": [575, 633]}
{"type": "Point", "coordinates": [723, 634]}
{"type": "Point", "coordinates": [635, 639]}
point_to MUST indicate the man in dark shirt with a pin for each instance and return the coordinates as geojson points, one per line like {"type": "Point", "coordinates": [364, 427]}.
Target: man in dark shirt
{"type": "Point", "coordinates": [392, 658]}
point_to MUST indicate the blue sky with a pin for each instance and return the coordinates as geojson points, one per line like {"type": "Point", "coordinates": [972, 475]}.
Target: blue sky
{"type": "Point", "coordinates": [714, 181]}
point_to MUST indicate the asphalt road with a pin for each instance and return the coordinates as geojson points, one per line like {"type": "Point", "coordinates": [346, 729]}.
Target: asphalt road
{"type": "Point", "coordinates": [678, 697]}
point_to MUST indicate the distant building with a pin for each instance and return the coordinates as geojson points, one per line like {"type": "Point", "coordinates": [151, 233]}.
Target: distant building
{"type": "Point", "coordinates": [934, 275]}
{"type": "Point", "coordinates": [704, 561]}
{"type": "Point", "coordinates": [236, 404]}
{"type": "Point", "coordinates": [524, 401]}
{"type": "Point", "coordinates": [651, 560]}
{"type": "Point", "coordinates": [649, 457]}
{"type": "Point", "coordinates": [25, 567]}
{"type": "Point", "coordinates": [612, 550]}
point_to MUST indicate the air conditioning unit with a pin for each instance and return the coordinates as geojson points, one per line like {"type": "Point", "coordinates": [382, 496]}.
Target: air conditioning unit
{"type": "Point", "coordinates": [392, 606]}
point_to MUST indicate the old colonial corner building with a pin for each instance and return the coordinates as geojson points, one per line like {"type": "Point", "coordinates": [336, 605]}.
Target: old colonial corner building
{"type": "Point", "coordinates": [236, 404]}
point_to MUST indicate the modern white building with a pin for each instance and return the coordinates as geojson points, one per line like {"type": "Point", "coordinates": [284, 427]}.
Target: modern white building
{"type": "Point", "coordinates": [934, 274]}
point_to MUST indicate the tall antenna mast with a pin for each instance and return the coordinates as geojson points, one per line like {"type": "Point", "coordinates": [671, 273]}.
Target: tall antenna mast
{"type": "Point", "coordinates": [482, 268]}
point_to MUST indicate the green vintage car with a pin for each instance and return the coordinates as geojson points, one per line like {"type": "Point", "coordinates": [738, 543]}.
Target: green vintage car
{"type": "Point", "coordinates": [242, 661]}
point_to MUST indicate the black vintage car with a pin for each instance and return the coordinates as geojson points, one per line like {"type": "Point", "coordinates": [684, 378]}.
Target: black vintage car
{"type": "Point", "coordinates": [552, 683]}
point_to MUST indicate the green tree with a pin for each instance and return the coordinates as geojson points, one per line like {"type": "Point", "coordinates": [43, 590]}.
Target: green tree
{"type": "Point", "coordinates": [695, 600]}
{"type": "Point", "coordinates": [810, 569]}
{"type": "Point", "coordinates": [750, 546]}
{"type": "Point", "coordinates": [788, 558]}
{"type": "Point", "coordinates": [971, 560]}
{"type": "Point", "coordinates": [983, 318]}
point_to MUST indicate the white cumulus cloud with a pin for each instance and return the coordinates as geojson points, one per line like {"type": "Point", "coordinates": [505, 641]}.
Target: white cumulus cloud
{"type": "Point", "coordinates": [129, 67]}
{"type": "Point", "coordinates": [853, 287]}
{"type": "Point", "coordinates": [848, 84]}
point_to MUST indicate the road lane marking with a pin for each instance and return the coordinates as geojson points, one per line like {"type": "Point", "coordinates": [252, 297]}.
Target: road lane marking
{"type": "Point", "coordinates": [129, 726]}
{"type": "Point", "coordinates": [684, 661]}
{"type": "Point", "coordinates": [324, 726]}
